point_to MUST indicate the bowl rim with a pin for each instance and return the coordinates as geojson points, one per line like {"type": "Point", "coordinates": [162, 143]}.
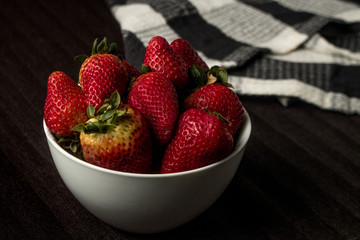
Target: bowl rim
{"type": "Point", "coordinates": [244, 136]}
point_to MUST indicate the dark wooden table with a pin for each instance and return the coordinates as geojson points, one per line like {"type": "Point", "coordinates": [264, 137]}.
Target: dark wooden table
{"type": "Point", "coordinates": [299, 178]}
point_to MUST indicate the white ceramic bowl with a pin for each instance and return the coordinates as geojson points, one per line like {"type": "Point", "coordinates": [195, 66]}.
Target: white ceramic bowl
{"type": "Point", "coordinates": [147, 203]}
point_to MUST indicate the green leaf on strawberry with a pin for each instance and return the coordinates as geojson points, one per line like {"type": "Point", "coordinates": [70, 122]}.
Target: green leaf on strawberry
{"type": "Point", "coordinates": [93, 49]}
{"type": "Point", "coordinates": [90, 111]}
{"type": "Point", "coordinates": [197, 77]}
{"type": "Point", "coordinates": [145, 69]}
{"type": "Point", "coordinates": [81, 58]}
{"type": "Point", "coordinates": [218, 115]}
{"type": "Point", "coordinates": [72, 142]}
{"type": "Point", "coordinates": [106, 106]}
{"type": "Point", "coordinates": [107, 115]}
{"type": "Point", "coordinates": [114, 100]}
{"type": "Point", "coordinates": [218, 75]}
{"type": "Point", "coordinates": [92, 127]}
{"type": "Point", "coordinates": [103, 47]}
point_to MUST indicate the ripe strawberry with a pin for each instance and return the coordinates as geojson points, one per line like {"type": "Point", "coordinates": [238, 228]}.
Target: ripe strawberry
{"type": "Point", "coordinates": [118, 138]}
{"type": "Point", "coordinates": [185, 50]}
{"type": "Point", "coordinates": [131, 70]}
{"type": "Point", "coordinates": [160, 57]}
{"type": "Point", "coordinates": [218, 98]}
{"type": "Point", "coordinates": [101, 74]}
{"type": "Point", "coordinates": [155, 97]}
{"type": "Point", "coordinates": [200, 139]}
{"type": "Point", "coordinates": [64, 105]}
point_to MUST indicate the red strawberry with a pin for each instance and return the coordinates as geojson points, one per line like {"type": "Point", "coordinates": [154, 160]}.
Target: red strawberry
{"type": "Point", "coordinates": [160, 57]}
{"type": "Point", "coordinates": [184, 49]}
{"type": "Point", "coordinates": [101, 74]}
{"type": "Point", "coordinates": [131, 70]}
{"type": "Point", "coordinates": [200, 139]}
{"type": "Point", "coordinates": [155, 97]}
{"type": "Point", "coordinates": [118, 138]}
{"type": "Point", "coordinates": [64, 105]}
{"type": "Point", "coordinates": [218, 98]}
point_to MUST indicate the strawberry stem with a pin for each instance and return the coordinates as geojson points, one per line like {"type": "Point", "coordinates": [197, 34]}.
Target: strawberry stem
{"type": "Point", "coordinates": [93, 49]}
{"type": "Point", "coordinates": [90, 111]}
{"type": "Point", "coordinates": [197, 77]}
{"type": "Point", "coordinates": [145, 69]}
{"type": "Point", "coordinates": [104, 47]}
{"type": "Point", "coordinates": [81, 58]}
{"type": "Point", "coordinates": [218, 115]}
{"type": "Point", "coordinates": [107, 116]}
{"type": "Point", "coordinates": [72, 142]}
{"type": "Point", "coordinates": [218, 75]}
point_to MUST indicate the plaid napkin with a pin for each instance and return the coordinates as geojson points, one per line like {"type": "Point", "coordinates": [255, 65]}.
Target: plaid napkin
{"type": "Point", "coordinates": [293, 49]}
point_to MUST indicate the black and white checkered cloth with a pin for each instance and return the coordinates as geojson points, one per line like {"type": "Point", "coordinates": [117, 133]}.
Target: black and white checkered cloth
{"type": "Point", "coordinates": [293, 49]}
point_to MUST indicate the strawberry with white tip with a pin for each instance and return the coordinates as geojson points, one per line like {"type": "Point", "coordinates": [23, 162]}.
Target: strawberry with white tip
{"type": "Point", "coordinates": [117, 137]}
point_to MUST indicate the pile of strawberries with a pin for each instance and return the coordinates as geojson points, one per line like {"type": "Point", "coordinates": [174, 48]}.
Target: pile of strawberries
{"type": "Point", "coordinates": [175, 115]}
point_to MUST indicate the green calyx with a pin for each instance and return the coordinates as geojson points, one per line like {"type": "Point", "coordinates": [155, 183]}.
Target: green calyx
{"type": "Point", "coordinates": [145, 69]}
{"type": "Point", "coordinates": [72, 142]}
{"type": "Point", "coordinates": [106, 116]}
{"type": "Point", "coordinates": [217, 74]}
{"type": "Point", "coordinates": [103, 47]}
{"type": "Point", "coordinates": [218, 115]}
{"type": "Point", "coordinates": [198, 77]}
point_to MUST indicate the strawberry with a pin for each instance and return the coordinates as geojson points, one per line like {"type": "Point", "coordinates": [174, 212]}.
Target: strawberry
{"type": "Point", "coordinates": [117, 138]}
{"type": "Point", "coordinates": [216, 96]}
{"type": "Point", "coordinates": [154, 95]}
{"type": "Point", "coordinates": [101, 74]}
{"type": "Point", "coordinates": [160, 57]}
{"type": "Point", "coordinates": [64, 105]}
{"type": "Point", "coordinates": [186, 51]}
{"type": "Point", "coordinates": [200, 139]}
{"type": "Point", "coordinates": [131, 70]}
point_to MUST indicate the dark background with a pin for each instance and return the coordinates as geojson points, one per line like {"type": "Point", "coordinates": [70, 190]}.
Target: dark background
{"type": "Point", "coordinates": [299, 178]}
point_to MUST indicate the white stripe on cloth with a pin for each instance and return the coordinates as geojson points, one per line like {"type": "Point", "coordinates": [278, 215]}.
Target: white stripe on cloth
{"type": "Point", "coordinates": [318, 50]}
{"type": "Point", "coordinates": [350, 16]}
{"type": "Point", "coordinates": [319, 44]}
{"type": "Point", "coordinates": [138, 23]}
{"type": "Point", "coordinates": [346, 11]}
{"type": "Point", "coordinates": [287, 71]}
{"type": "Point", "coordinates": [212, 61]}
{"type": "Point", "coordinates": [143, 21]}
{"type": "Point", "coordinates": [335, 101]}
{"type": "Point", "coordinates": [246, 24]}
